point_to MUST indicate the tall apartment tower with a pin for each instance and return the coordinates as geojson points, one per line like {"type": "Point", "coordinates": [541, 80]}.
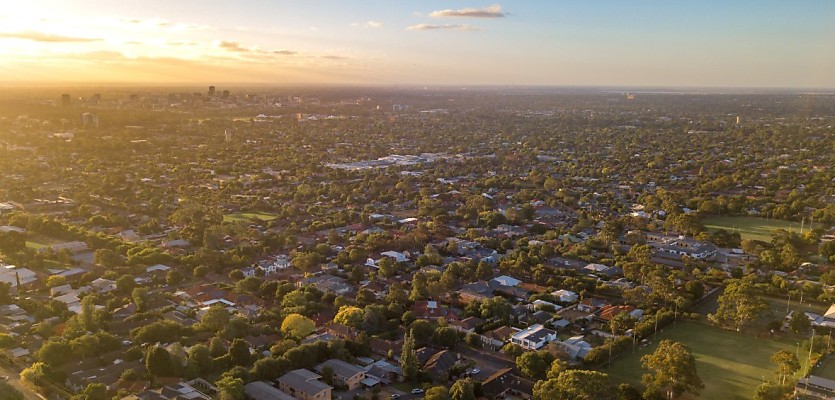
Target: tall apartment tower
{"type": "Point", "coordinates": [65, 100]}
{"type": "Point", "coordinates": [89, 120]}
{"type": "Point", "coordinates": [211, 90]}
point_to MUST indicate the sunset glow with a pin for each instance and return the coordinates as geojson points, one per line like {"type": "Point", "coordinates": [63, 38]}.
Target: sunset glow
{"type": "Point", "coordinates": [555, 43]}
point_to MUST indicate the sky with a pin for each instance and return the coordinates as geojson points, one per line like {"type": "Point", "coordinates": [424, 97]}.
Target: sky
{"type": "Point", "coordinates": [637, 43]}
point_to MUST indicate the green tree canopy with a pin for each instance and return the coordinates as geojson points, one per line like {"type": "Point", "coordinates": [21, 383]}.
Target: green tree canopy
{"type": "Point", "coordinates": [672, 370]}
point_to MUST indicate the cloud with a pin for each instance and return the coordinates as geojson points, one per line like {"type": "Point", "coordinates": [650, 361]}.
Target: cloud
{"type": "Point", "coordinates": [373, 24]}
{"type": "Point", "coordinates": [431, 27]}
{"type": "Point", "coordinates": [231, 45]}
{"type": "Point", "coordinates": [333, 57]}
{"type": "Point", "coordinates": [284, 52]}
{"type": "Point", "coordinates": [46, 38]}
{"type": "Point", "coordinates": [494, 11]}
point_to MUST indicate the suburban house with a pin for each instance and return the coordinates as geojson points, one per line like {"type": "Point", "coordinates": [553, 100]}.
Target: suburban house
{"type": "Point", "coordinates": [498, 337]}
{"type": "Point", "coordinates": [304, 384]}
{"type": "Point", "coordinates": [677, 247]}
{"type": "Point", "coordinates": [261, 390]}
{"type": "Point", "coordinates": [344, 374]}
{"type": "Point", "coordinates": [576, 347]}
{"type": "Point", "coordinates": [534, 337]}
{"type": "Point", "coordinates": [467, 325]}
{"type": "Point", "coordinates": [565, 296]}
{"type": "Point", "coordinates": [503, 384]}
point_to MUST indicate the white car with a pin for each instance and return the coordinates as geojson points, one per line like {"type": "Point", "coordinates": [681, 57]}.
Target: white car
{"type": "Point", "coordinates": [417, 391]}
{"type": "Point", "coordinates": [475, 371]}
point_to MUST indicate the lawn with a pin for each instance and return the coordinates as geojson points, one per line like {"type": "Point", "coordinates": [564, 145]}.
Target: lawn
{"type": "Point", "coordinates": [248, 217]}
{"type": "Point", "coordinates": [730, 364]}
{"type": "Point", "coordinates": [751, 227]}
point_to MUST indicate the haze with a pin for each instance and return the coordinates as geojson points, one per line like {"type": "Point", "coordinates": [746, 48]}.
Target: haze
{"type": "Point", "coordinates": [672, 43]}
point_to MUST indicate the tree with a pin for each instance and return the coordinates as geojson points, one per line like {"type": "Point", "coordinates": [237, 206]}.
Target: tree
{"type": "Point", "coordinates": [445, 336]}
{"type": "Point", "coordinates": [200, 356]}
{"type": "Point", "coordinates": [107, 258]}
{"type": "Point", "coordinates": [93, 391]}
{"type": "Point", "coordinates": [496, 307]}
{"type": "Point", "coordinates": [787, 364]}
{"type": "Point", "coordinates": [575, 384]}
{"type": "Point", "coordinates": [558, 366]}
{"type": "Point", "coordinates": [215, 318]}
{"type": "Point", "coordinates": [462, 389]}
{"type": "Point", "coordinates": [158, 362]}
{"type": "Point", "coordinates": [239, 352]}
{"type": "Point", "coordinates": [140, 298]}
{"type": "Point", "coordinates": [230, 388]}
{"type": "Point", "coordinates": [8, 392]}
{"type": "Point", "coordinates": [534, 364]}
{"type": "Point", "coordinates": [672, 369]}
{"type": "Point", "coordinates": [55, 281]}
{"type": "Point", "coordinates": [408, 359]}
{"type": "Point", "coordinates": [773, 391]}
{"type": "Point", "coordinates": [738, 305]}
{"type": "Point", "coordinates": [350, 316]}
{"type": "Point", "coordinates": [34, 374]}
{"type": "Point", "coordinates": [799, 322]}
{"type": "Point", "coordinates": [54, 353]}
{"type": "Point", "coordinates": [297, 326]}
{"type": "Point", "coordinates": [436, 393]}
{"type": "Point", "coordinates": [125, 284]}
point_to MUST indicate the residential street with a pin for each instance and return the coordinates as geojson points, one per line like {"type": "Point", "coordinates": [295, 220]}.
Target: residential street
{"type": "Point", "coordinates": [14, 380]}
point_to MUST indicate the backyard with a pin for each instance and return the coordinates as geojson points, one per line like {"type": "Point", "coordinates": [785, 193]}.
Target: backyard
{"type": "Point", "coordinates": [730, 364]}
{"type": "Point", "coordinates": [752, 227]}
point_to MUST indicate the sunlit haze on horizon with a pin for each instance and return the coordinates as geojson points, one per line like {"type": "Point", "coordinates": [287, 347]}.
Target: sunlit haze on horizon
{"type": "Point", "coordinates": [606, 43]}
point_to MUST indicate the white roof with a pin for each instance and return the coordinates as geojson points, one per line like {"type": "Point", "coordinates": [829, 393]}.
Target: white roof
{"type": "Point", "coordinates": [507, 280]}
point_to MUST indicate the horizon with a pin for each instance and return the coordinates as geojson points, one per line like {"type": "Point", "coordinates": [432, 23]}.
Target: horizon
{"type": "Point", "coordinates": [712, 44]}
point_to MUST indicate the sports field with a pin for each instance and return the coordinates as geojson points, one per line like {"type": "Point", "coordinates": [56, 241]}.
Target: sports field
{"type": "Point", "coordinates": [730, 364]}
{"type": "Point", "coordinates": [248, 217]}
{"type": "Point", "coordinates": [752, 227]}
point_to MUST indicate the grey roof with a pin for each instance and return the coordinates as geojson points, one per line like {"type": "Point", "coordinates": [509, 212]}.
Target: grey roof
{"type": "Point", "coordinates": [341, 368]}
{"type": "Point", "coordinates": [261, 390]}
{"type": "Point", "coordinates": [304, 381]}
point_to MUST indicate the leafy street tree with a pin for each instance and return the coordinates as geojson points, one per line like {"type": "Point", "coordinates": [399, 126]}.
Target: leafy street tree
{"type": "Point", "coordinates": [437, 393]}
{"type": "Point", "coordinates": [738, 305]}
{"type": "Point", "coordinates": [773, 391]}
{"type": "Point", "coordinates": [158, 362]}
{"type": "Point", "coordinates": [787, 364]}
{"type": "Point", "coordinates": [350, 316]}
{"type": "Point", "coordinates": [534, 364]}
{"type": "Point", "coordinates": [799, 322]}
{"type": "Point", "coordinates": [140, 298]}
{"type": "Point", "coordinates": [297, 326]}
{"type": "Point", "coordinates": [672, 370]}
{"type": "Point", "coordinates": [93, 391]}
{"type": "Point", "coordinates": [215, 319]}
{"type": "Point", "coordinates": [575, 384]}
{"type": "Point", "coordinates": [230, 388]}
{"type": "Point", "coordinates": [408, 359]}
{"type": "Point", "coordinates": [462, 389]}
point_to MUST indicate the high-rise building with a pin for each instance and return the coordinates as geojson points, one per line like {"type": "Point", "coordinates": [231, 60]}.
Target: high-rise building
{"type": "Point", "coordinates": [89, 120]}
{"type": "Point", "coordinates": [65, 100]}
{"type": "Point", "coordinates": [225, 93]}
{"type": "Point", "coordinates": [211, 90]}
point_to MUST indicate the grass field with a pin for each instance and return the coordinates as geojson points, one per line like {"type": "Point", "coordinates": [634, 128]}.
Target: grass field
{"type": "Point", "coordinates": [730, 364]}
{"type": "Point", "coordinates": [248, 217]}
{"type": "Point", "coordinates": [751, 227]}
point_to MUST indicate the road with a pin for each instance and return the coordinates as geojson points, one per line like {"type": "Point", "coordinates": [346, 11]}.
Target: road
{"type": "Point", "coordinates": [14, 380]}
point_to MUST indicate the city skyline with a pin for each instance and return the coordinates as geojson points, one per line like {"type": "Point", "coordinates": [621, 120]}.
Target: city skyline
{"type": "Point", "coordinates": [682, 44]}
